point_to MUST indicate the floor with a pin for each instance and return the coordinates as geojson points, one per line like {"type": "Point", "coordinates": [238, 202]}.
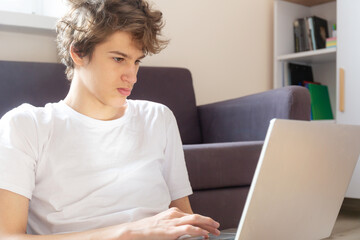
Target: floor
{"type": "Point", "coordinates": [347, 226]}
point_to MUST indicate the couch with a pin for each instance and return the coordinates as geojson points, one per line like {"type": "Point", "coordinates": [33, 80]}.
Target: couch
{"type": "Point", "coordinates": [222, 141]}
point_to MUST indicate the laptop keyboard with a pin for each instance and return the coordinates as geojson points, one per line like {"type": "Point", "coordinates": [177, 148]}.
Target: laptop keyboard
{"type": "Point", "coordinates": [223, 236]}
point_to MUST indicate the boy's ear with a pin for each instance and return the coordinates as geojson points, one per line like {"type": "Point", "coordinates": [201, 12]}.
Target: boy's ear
{"type": "Point", "coordinates": [76, 56]}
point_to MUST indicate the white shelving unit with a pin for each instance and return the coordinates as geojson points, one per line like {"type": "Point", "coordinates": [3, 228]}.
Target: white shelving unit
{"type": "Point", "coordinates": [323, 61]}
{"type": "Point", "coordinates": [310, 57]}
{"type": "Point", "coordinates": [348, 56]}
{"type": "Point", "coordinates": [326, 63]}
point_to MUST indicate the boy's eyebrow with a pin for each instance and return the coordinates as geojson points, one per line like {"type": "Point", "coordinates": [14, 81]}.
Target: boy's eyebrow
{"type": "Point", "coordinates": [124, 54]}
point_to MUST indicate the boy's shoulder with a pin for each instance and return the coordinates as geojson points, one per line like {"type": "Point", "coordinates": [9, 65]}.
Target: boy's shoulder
{"type": "Point", "coordinates": [27, 113]}
{"type": "Point", "coordinates": [146, 106]}
{"type": "Point", "coordinates": [21, 113]}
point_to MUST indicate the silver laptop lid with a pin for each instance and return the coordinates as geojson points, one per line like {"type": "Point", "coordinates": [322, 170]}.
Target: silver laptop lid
{"type": "Point", "coordinates": [303, 172]}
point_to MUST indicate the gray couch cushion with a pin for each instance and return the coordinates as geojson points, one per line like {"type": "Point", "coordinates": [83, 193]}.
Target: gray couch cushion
{"type": "Point", "coordinates": [220, 165]}
{"type": "Point", "coordinates": [225, 205]}
{"type": "Point", "coordinates": [29, 82]}
{"type": "Point", "coordinates": [174, 88]}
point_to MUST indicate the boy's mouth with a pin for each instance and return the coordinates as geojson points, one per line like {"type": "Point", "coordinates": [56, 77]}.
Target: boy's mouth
{"type": "Point", "coordinates": [124, 91]}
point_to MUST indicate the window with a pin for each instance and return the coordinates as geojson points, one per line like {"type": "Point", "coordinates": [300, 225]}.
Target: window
{"type": "Point", "coordinates": [51, 8]}
{"type": "Point", "coordinates": [31, 14]}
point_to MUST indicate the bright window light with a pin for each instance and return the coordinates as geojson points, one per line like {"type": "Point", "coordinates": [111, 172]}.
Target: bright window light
{"type": "Point", "coordinates": [22, 6]}
{"type": "Point", "coordinates": [51, 8]}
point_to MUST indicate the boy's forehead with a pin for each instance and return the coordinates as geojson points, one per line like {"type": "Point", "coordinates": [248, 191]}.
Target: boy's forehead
{"type": "Point", "coordinates": [122, 40]}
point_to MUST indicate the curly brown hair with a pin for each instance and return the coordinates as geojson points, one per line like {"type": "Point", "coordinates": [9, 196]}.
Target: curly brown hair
{"type": "Point", "coordinates": [90, 22]}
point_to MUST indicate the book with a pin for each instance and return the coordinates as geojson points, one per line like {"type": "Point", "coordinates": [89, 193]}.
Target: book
{"type": "Point", "coordinates": [304, 34]}
{"type": "Point", "coordinates": [320, 102]}
{"type": "Point", "coordinates": [298, 74]}
{"type": "Point", "coordinates": [301, 35]}
{"type": "Point", "coordinates": [307, 82]}
{"type": "Point", "coordinates": [310, 33]}
{"type": "Point", "coordinates": [331, 42]}
{"type": "Point", "coordinates": [297, 32]}
{"type": "Point", "coordinates": [321, 32]}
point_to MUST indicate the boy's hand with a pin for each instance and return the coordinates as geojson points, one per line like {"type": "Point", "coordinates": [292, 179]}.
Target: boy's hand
{"type": "Point", "coordinates": [172, 224]}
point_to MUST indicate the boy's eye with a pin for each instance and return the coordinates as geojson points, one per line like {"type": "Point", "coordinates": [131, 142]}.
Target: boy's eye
{"type": "Point", "coordinates": [117, 59]}
{"type": "Point", "coordinates": [137, 62]}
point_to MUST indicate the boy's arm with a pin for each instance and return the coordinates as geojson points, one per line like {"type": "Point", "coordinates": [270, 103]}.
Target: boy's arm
{"type": "Point", "coordinates": [13, 222]}
{"type": "Point", "coordinates": [13, 212]}
{"type": "Point", "coordinates": [167, 225]}
{"type": "Point", "coordinates": [183, 204]}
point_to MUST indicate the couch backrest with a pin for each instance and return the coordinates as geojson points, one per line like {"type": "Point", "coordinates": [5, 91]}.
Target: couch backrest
{"type": "Point", "coordinates": [174, 88]}
{"type": "Point", "coordinates": [29, 82]}
{"type": "Point", "coordinates": [40, 83]}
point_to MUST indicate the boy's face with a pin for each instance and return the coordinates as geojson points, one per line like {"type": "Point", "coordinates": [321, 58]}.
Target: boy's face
{"type": "Point", "coordinates": [108, 78]}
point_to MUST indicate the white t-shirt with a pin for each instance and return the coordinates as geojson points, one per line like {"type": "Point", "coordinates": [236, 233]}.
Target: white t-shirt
{"type": "Point", "coordinates": [81, 173]}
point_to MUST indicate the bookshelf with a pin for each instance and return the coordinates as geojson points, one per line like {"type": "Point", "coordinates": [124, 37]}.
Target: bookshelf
{"type": "Point", "coordinates": [338, 68]}
{"type": "Point", "coordinates": [323, 61]}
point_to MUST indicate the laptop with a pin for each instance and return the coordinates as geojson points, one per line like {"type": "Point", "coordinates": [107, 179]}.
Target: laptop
{"type": "Point", "coordinates": [300, 181]}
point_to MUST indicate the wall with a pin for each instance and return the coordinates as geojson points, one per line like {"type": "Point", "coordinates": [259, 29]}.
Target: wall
{"type": "Point", "coordinates": [227, 45]}
{"type": "Point", "coordinates": [23, 45]}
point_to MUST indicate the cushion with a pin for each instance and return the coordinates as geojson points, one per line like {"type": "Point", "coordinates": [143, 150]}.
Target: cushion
{"type": "Point", "coordinates": [172, 87]}
{"type": "Point", "coordinates": [30, 82]}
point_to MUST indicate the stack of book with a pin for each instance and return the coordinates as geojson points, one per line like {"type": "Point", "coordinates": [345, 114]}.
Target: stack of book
{"type": "Point", "coordinates": [310, 33]}
{"type": "Point", "coordinates": [320, 101]}
{"type": "Point", "coordinates": [299, 74]}
{"type": "Point", "coordinates": [331, 42]}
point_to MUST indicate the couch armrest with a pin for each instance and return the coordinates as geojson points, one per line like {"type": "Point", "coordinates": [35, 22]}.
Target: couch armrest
{"type": "Point", "coordinates": [221, 165]}
{"type": "Point", "coordinates": [247, 118]}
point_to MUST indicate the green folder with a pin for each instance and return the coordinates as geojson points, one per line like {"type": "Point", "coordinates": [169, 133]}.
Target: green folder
{"type": "Point", "coordinates": [320, 102]}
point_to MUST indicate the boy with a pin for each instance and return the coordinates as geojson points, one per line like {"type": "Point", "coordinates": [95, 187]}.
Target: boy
{"type": "Point", "coordinates": [96, 165]}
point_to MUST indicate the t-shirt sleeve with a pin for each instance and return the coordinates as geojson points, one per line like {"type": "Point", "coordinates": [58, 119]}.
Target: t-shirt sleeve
{"type": "Point", "coordinates": [175, 172]}
{"type": "Point", "coordinates": [18, 152]}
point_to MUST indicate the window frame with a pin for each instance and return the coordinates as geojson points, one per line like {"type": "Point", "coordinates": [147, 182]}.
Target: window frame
{"type": "Point", "coordinates": [18, 21]}
{"type": "Point", "coordinates": [35, 21]}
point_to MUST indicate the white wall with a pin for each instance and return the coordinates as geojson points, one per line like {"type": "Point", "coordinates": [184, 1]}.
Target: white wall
{"type": "Point", "coordinates": [16, 45]}
{"type": "Point", "coordinates": [227, 45]}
